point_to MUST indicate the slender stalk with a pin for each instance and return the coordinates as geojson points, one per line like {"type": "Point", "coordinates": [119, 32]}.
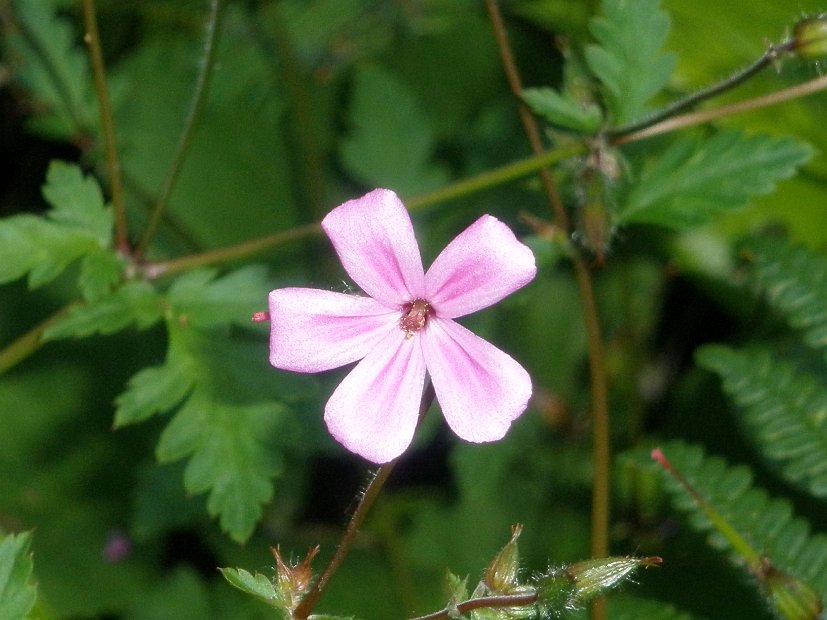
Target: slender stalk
{"type": "Point", "coordinates": [22, 347]}
{"type": "Point", "coordinates": [484, 602]}
{"type": "Point", "coordinates": [766, 59]}
{"type": "Point", "coordinates": [365, 503]}
{"type": "Point", "coordinates": [601, 449]}
{"type": "Point", "coordinates": [199, 97]}
{"type": "Point", "coordinates": [486, 180]}
{"type": "Point", "coordinates": [704, 116]}
{"type": "Point", "coordinates": [107, 124]}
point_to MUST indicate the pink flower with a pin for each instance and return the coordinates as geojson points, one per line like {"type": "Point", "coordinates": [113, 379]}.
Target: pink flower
{"type": "Point", "coordinates": [406, 327]}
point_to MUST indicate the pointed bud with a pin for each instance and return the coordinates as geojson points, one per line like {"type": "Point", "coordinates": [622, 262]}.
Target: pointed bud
{"type": "Point", "coordinates": [810, 37]}
{"type": "Point", "coordinates": [572, 586]}
{"type": "Point", "coordinates": [293, 580]}
{"type": "Point", "coordinates": [501, 575]}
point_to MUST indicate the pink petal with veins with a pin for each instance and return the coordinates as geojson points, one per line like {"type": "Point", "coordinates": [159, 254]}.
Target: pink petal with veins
{"type": "Point", "coordinates": [313, 330]}
{"type": "Point", "coordinates": [374, 239]}
{"type": "Point", "coordinates": [483, 264]}
{"type": "Point", "coordinates": [374, 410]}
{"type": "Point", "coordinates": [480, 389]}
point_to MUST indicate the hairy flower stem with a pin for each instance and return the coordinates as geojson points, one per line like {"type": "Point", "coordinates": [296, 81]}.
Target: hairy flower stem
{"type": "Point", "coordinates": [108, 125]}
{"type": "Point", "coordinates": [767, 58]}
{"type": "Point", "coordinates": [199, 97]}
{"type": "Point", "coordinates": [601, 450]}
{"type": "Point", "coordinates": [484, 602]}
{"type": "Point", "coordinates": [365, 503]}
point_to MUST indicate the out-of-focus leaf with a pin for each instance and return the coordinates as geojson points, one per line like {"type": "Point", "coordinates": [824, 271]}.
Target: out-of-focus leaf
{"type": "Point", "coordinates": [54, 67]}
{"type": "Point", "coordinates": [694, 180]}
{"type": "Point", "coordinates": [77, 202]}
{"type": "Point", "coordinates": [18, 590]}
{"type": "Point", "coordinates": [628, 60]}
{"type": "Point", "coordinates": [201, 299]}
{"type": "Point", "coordinates": [563, 111]}
{"type": "Point", "coordinates": [136, 302]}
{"type": "Point", "coordinates": [228, 456]}
{"type": "Point", "coordinates": [382, 107]}
{"type": "Point", "coordinates": [794, 280]}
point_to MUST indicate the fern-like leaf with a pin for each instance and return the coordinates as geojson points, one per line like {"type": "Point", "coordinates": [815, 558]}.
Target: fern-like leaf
{"type": "Point", "coordinates": [794, 280]}
{"type": "Point", "coordinates": [784, 409]}
{"type": "Point", "coordinates": [767, 523]}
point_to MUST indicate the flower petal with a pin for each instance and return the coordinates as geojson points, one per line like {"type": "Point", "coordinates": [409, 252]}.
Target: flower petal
{"type": "Point", "coordinates": [313, 330]}
{"type": "Point", "coordinates": [483, 264]}
{"type": "Point", "coordinates": [374, 410]}
{"type": "Point", "coordinates": [480, 389]}
{"type": "Point", "coordinates": [374, 239]}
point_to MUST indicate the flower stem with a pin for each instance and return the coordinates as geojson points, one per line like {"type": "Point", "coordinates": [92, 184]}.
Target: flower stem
{"type": "Point", "coordinates": [704, 116]}
{"type": "Point", "coordinates": [107, 124]}
{"type": "Point", "coordinates": [486, 180]}
{"type": "Point", "coordinates": [484, 602]}
{"type": "Point", "coordinates": [28, 343]}
{"type": "Point", "coordinates": [365, 503]}
{"type": "Point", "coordinates": [601, 450]}
{"type": "Point", "coordinates": [767, 58]}
{"type": "Point", "coordinates": [199, 97]}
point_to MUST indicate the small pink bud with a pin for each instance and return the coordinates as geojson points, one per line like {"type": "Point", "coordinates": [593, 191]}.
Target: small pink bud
{"type": "Point", "coordinates": [261, 317]}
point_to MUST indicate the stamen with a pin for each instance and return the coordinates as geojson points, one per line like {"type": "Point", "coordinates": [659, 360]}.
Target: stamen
{"type": "Point", "coordinates": [415, 316]}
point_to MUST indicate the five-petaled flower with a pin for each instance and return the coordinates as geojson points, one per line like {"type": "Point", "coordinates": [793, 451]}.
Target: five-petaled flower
{"type": "Point", "coordinates": [406, 327]}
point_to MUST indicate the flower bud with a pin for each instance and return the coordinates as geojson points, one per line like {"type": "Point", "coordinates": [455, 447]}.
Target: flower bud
{"type": "Point", "coordinates": [810, 37]}
{"type": "Point", "coordinates": [572, 586]}
{"type": "Point", "coordinates": [293, 580]}
{"type": "Point", "coordinates": [501, 575]}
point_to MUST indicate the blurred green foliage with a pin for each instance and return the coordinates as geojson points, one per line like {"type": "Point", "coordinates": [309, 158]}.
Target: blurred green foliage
{"type": "Point", "coordinates": [147, 442]}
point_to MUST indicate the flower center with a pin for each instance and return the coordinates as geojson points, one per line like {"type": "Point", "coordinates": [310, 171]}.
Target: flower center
{"type": "Point", "coordinates": [415, 316]}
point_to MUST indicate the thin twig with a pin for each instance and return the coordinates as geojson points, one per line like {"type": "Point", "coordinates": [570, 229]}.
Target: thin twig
{"type": "Point", "coordinates": [365, 503]}
{"type": "Point", "coordinates": [486, 180]}
{"type": "Point", "coordinates": [199, 97]}
{"type": "Point", "coordinates": [704, 116]}
{"type": "Point", "coordinates": [766, 59]}
{"type": "Point", "coordinates": [599, 383]}
{"type": "Point", "coordinates": [484, 602]}
{"type": "Point", "coordinates": [107, 124]}
{"type": "Point", "coordinates": [23, 346]}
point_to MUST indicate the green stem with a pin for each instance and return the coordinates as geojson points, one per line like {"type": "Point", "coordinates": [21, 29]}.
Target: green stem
{"type": "Point", "coordinates": [522, 599]}
{"type": "Point", "coordinates": [28, 343]}
{"type": "Point", "coordinates": [365, 503]}
{"type": "Point", "coordinates": [601, 447]}
{"type": "Point", "coordinates": [107, 124]}
{"type": "Point", "coordinates": [199, 98]}
{"type": "Point", "coordinates": [486, 180]}
{"type": "Point", "coordinates": [770, 56]}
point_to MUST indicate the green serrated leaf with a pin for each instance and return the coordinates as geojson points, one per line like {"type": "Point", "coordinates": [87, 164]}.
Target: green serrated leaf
{"type": "Point", "coordinates": [99, 273]}
{"type": "Point", "coordinates": [563, 111]}
{"type": "Point", "coordinates": [258, 585]}
{"type": "Point", "coordinates": [200, 299]}
{"type": "Point", "coordinates": [694, 180]}
{"type": "Point", "coordinates": [153, 390]}
{"type": "Point", "coordinates": [55, 69]}
{"type": "Point", "coordinates": [18, 590]}
{"type": "Point", "coordinates": [135, 303]}
{"type": "Point", "coordinates": [77, 202]}
{"type": "Point", "coordinates": [785, 409]}
{"type": "Point", "coordinates": [382, 107]}
{"type": "Point", "coordinates": [794, 280]}
{"type": "Point", "coordinates": [628, 60]}
{"type": "Point", "coordinates": [227, 457]}
{"type": "Point", "coordinates": [226, 436]}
